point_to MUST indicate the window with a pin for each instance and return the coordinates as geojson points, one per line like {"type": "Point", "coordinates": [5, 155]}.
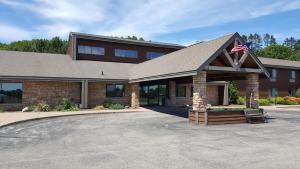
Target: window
{"type": "Point", "coordinates": [273, 74]}
{"type": "Point", "coordinates": [114, 90]}
{"type": "Point", "coordinates": [152, 55]}
{"type": "Point", "coordinates": [180, 91]}
{"type": "Point", "coordinates": [273, 92]}
{"type": "Point", "coordinates": [292, 75]}
{"type": "Point", "coordinates": [92, 50]}
{"type": "Point", "coordinates": [11, 92]}
{"type": "Point", "coordinates": [126, 53]}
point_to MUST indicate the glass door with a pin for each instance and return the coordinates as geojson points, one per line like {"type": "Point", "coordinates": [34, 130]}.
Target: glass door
{"type": "Point", "coordinates": [153, 95]}
{"type": "Point", "coordinates": [162, 95]}
{"type": "Point", "coordinates": [144, 95]}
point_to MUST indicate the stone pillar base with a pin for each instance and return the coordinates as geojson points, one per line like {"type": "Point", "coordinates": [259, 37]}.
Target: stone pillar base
{"type": "Point", "coordinates": [197, 117]}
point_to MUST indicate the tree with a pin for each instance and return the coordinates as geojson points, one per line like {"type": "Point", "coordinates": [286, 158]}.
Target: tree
{"type": "Point", "coordinates": [232, 92]}
{"type": "Point", "coordinates": [269, 39]}
{"type": "Point", "coordinates": [290, 42]}
{"type": "Point", "coordinates": [297, 47]}
{"type": "Point", "coordinates": [245, 38]}
{"type": "Point", "coordinates": [276, 51]}
{"type": "Point", "coordinates": [256, 42]}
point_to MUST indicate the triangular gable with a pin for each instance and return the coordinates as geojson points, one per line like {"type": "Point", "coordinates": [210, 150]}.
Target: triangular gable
{"type": "Point", "coordinates": [223, 60]}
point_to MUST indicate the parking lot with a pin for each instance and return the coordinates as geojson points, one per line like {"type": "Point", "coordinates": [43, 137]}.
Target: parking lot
{"type": "Point", "coordinates": [150, 140]}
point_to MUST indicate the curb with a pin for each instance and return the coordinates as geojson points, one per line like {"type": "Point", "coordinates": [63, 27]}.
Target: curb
{"type": "Point", "coordinates": [64, 115]}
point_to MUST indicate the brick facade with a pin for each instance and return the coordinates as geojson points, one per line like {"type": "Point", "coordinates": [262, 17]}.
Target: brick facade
{"type": "Point", "coordinates": [97, 94]}
{"type": "Point", "coordinates": [50, 92]}
{"type": "Point", "coordinates": [211, 90]}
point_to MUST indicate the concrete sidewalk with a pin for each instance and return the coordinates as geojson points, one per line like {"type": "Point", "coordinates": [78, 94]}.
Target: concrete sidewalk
{"type": "Point", "coordinates": [7, 118]}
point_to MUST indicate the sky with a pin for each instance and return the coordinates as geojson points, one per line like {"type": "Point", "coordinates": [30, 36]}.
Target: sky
{"type": "Point", "coordinates": [174, 21]}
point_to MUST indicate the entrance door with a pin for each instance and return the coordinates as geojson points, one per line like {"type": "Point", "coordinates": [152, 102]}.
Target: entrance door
{"type": "Point", "coordinates": [162, 95]}
{"type": "Point", "coordinates": [153, 95]}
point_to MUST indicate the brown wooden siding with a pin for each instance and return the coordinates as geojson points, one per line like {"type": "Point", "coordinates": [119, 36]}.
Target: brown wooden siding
{"type": "Point", "coordinates": [282, 84]}
{"type": "Point", "coordinates": [110, 51]}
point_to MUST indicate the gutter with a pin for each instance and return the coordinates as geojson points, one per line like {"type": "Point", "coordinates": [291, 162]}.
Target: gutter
{"type": "Point", "coordinates": [164, 76]}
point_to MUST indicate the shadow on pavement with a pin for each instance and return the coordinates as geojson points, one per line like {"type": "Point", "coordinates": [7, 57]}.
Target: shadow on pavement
{"type": "Point", "coordinates": [171, 110]}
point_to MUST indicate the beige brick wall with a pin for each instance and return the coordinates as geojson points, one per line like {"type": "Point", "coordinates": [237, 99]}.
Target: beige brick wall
{"type": "Point", "coordinates": [97, 94]}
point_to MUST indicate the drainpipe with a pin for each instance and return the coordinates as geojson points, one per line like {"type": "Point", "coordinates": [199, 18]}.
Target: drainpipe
{"type": "Point", "coordinates": [84, 94]}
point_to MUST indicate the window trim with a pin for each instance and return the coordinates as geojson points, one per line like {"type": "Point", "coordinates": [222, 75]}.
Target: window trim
{"type": "Point", "coordinates": [91, 50]}
{"type": "Point", "coordinates": [124, 50]}
{"type": "Point", "coordinates": [22, 90]}
{"type": "Point", "coordinates": [271, 90]}
{"type": "Point", "coordinates": [160, 54]}
{"type": "Point", "coordinates": [123, 91]}
{"type": "Point", "coordinates": [290, 76]}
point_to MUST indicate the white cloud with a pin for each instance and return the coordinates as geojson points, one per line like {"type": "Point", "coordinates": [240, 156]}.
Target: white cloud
{"type": "Point", "coordinates": [142, 17]}
{"type": "Point", "coordinates": [13, 33]}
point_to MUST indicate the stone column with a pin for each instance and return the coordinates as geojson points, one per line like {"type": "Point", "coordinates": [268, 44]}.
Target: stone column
{"type": "Point", "coordinates": [172, 93]}
{"type": "Point", "coordinates": [135, 95]}
{"type": "Point", "coordinates": [199, 92]}
{"type": "Point", "coordinates": [225, 98]}
{"type": "Point", "coordinates": [252, 90]}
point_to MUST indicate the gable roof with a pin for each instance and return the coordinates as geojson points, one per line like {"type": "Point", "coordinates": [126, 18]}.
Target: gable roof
{"type": "Point", "coordinates": [126, 41]}
{"type": "Point", "coordinates": [47, 66]}
{"type": "Point", "coordinates": [185, 61]}
{"type": "Point", "coordinates": [280, 63]}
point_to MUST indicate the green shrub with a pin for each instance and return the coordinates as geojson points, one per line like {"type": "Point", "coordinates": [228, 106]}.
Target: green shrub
{"type": "Point", "coordinates": [241, 100]}
{"type": "Point", "coordinates": [116, 106]}
{"type": "Point", "coordinates": [297, 94]}
{"type": "Point", "coordinates": [1, 110]}
{"type": "Point", "coordinates": [285, 101]}
{"type": "Point", "coordinates": [264, 102]}
{"type": "Point", "coordinates": [66, 104]}
{"type": "Point", "coordinates": [43, 107]}
{"type": "Point", "coordinates": [279, 100]}
{"type": "Point", "coordinates": [232, 93]}
{"type": "Point", "coordinates": [288, 102]}
{"type": "Point", "coordinates": [107, 103]}
{"type": "Point", "coordinates": [99, 107]}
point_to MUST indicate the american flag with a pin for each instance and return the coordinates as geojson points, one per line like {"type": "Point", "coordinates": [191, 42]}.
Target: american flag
{"type": "Point", "coordinates": [242, 47]}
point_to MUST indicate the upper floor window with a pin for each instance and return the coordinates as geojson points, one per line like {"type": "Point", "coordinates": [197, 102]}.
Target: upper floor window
{"type": "Point", "coordinates": [152, 55]}
{"type": "Point", "coordinates": [126, 53]}
{"type": "Point", "coordinates": [292, 75]}
{"type": "Point", "coordinates": [114, 90]}
{"type": "Point", "coordinates": [273, 92]}
{"type": "Point", "coordinates": [273, 74]}
{"type": "Point", "coordinates": [92, 50]}
{"type": "Point", "coordinates": [11, 92]}
{"type": "Point", "coordinates": [180, 90]}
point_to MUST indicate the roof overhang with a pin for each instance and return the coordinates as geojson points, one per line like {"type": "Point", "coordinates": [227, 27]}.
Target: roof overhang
{"type": "Point", "coordinates": [35, 78]}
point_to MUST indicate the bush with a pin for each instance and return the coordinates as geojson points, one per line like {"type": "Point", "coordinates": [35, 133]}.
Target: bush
{"type": "Point", "coordinates": [232, 93]}
{"type": "Point", "coordinates": [99, 107]}
{"type": "Point", "coordinates": [66, 105]}
{"type": "Point", "coordinates": [107, 103]}
{"type": "Point", "coordinates": [285, 101]}
{"type": "Point", "coordinates": [43, 107]}
{"type": "Point", "coordinates": [116, 106]}
{"type": "Point", "coordinates": [297, 94]}
{"type": "Point", "coordinates": [264, 102]}
{"type": "Point", "coordinates": [241, 100]}
{"type": "Point", "coordinates": [1, 110]}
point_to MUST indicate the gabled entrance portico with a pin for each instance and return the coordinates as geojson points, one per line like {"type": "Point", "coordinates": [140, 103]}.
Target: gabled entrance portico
{"type": "Point", "coordinates": [204, 63]}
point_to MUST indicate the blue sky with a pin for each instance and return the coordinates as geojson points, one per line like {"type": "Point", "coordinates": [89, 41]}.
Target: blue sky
{"type": "Point", "coordinates": [180, 21]}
